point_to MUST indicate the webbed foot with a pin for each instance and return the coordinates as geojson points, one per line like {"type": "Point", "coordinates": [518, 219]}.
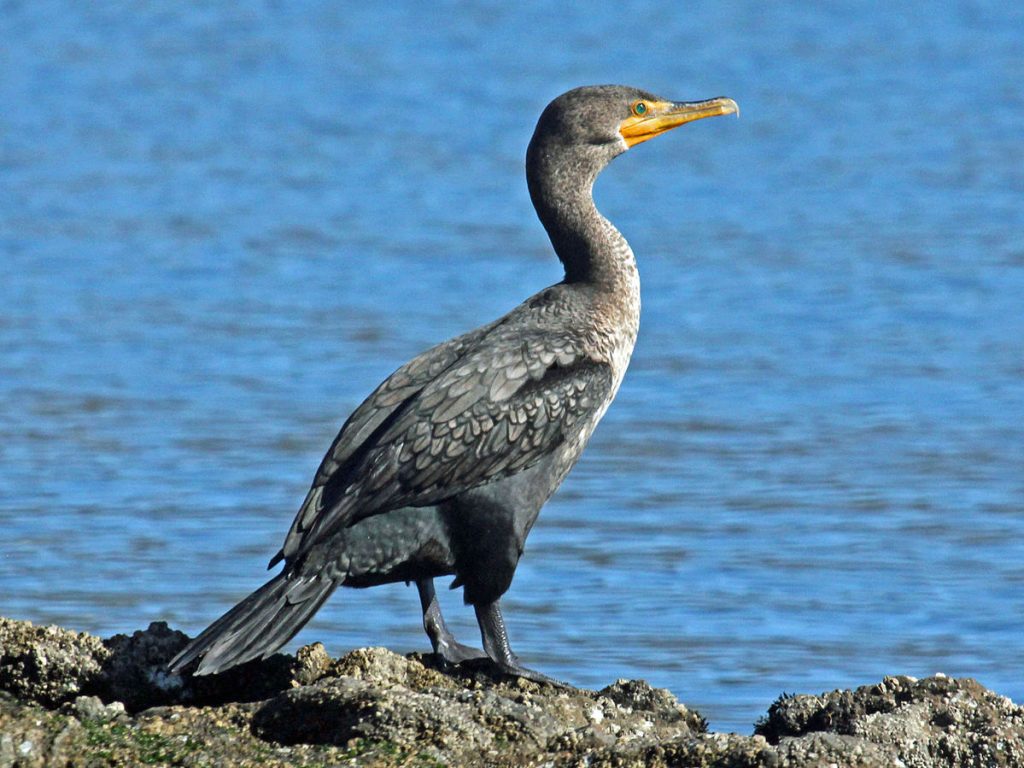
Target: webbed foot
{"type": "Point", "coordinates": [449, 650]}
{"type": "Point", "coordinates": [518, 670]}
{"type": "Point", "coordinates": [495, 637]}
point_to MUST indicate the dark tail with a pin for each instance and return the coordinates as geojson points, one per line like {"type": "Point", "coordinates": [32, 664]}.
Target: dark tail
{"type": "Point", "coordinates": [257, 626]}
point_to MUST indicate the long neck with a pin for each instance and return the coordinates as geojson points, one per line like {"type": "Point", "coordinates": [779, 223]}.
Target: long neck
{"type": "Point", "coordinates": [589, 247]}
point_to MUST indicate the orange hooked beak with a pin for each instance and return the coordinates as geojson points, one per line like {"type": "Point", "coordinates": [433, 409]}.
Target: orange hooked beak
{"type": "Point", "coordinates": [651, 118]}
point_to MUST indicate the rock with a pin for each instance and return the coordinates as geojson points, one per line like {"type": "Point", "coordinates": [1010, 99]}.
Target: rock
{"type": "Point", "coordinates": [70, 699]}
{"type": "Point", "coordinates": [133, 669]}
{"type": "Point", "coordinates": [134, 673]}
{"type": "Point", "coordinates": [93, 708]}
{"type": "Point", "coordinates": [396, 699]}
{"type": "Point", "coordinates": [937, 721]}
{"type": "Point", "coordinates": [50, 665]}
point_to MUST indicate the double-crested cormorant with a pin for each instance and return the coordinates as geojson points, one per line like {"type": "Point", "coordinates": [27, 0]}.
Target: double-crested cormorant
{"type": "Point", "coordinates": [444, 468]}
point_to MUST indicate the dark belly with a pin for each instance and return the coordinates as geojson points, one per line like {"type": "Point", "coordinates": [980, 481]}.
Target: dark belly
{"type": "Point", "coordinates": [476, 536]}
{"type": "Point", "coordinates": [400, 545]}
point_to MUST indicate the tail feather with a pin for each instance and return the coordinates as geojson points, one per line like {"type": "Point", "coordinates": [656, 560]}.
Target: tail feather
{"type": "Point", "coordinates": [257, 626]}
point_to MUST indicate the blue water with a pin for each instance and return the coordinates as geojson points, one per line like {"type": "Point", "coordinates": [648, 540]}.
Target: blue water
{"type": "Point", "coordinates": [220, 227]}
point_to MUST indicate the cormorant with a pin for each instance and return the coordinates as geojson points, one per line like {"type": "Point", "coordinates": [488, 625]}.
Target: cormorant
{"type": "Point", "coordinates": [444, 468]}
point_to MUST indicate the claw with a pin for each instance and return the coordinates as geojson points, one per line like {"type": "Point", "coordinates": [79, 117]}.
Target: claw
{"type": "Point", "coordinates": [447, 649]}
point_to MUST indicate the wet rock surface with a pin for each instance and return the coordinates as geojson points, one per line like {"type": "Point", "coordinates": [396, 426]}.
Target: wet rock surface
{"type": "Point", "coordinates": [70, 699]}
{"type": "Point", "coordinates": [935, 721]}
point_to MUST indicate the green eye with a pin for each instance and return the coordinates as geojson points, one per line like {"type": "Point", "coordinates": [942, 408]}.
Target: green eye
{"type": "Point", "coordinates": [640, 109]}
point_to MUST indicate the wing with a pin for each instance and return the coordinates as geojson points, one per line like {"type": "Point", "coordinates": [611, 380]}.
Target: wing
{"type": "Point", "coordinates": [499, 409]}
{"type": "Point", "coordinates": [391, 395]}
{"type": "Point", "coordinates": [380, 408]}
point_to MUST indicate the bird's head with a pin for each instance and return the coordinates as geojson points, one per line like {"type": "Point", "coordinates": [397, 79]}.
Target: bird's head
{"type": "Point", "coordinates": [589, 126]}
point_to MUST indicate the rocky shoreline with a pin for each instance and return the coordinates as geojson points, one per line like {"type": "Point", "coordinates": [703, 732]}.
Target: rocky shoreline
{"type": "Point", "coordinates": [72, 699]}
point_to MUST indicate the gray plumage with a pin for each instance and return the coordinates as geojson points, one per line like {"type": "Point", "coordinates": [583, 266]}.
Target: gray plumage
{"type": "Point", "coordinates": [444, 468]}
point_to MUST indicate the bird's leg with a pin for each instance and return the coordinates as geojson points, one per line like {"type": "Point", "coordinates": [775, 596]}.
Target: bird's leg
{"type": "Point", "coordinates": [495, 637]}
{"type": "Point", "coordinates": [445, 645]}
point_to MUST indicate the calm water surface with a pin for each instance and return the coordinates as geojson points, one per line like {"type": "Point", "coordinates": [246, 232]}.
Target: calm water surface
{"type": "Point", "coordinates": [221, 227]}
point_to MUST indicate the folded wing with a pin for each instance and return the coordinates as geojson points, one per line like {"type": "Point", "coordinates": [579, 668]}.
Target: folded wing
{"type": "Point", "coordinates": [459, 416]}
